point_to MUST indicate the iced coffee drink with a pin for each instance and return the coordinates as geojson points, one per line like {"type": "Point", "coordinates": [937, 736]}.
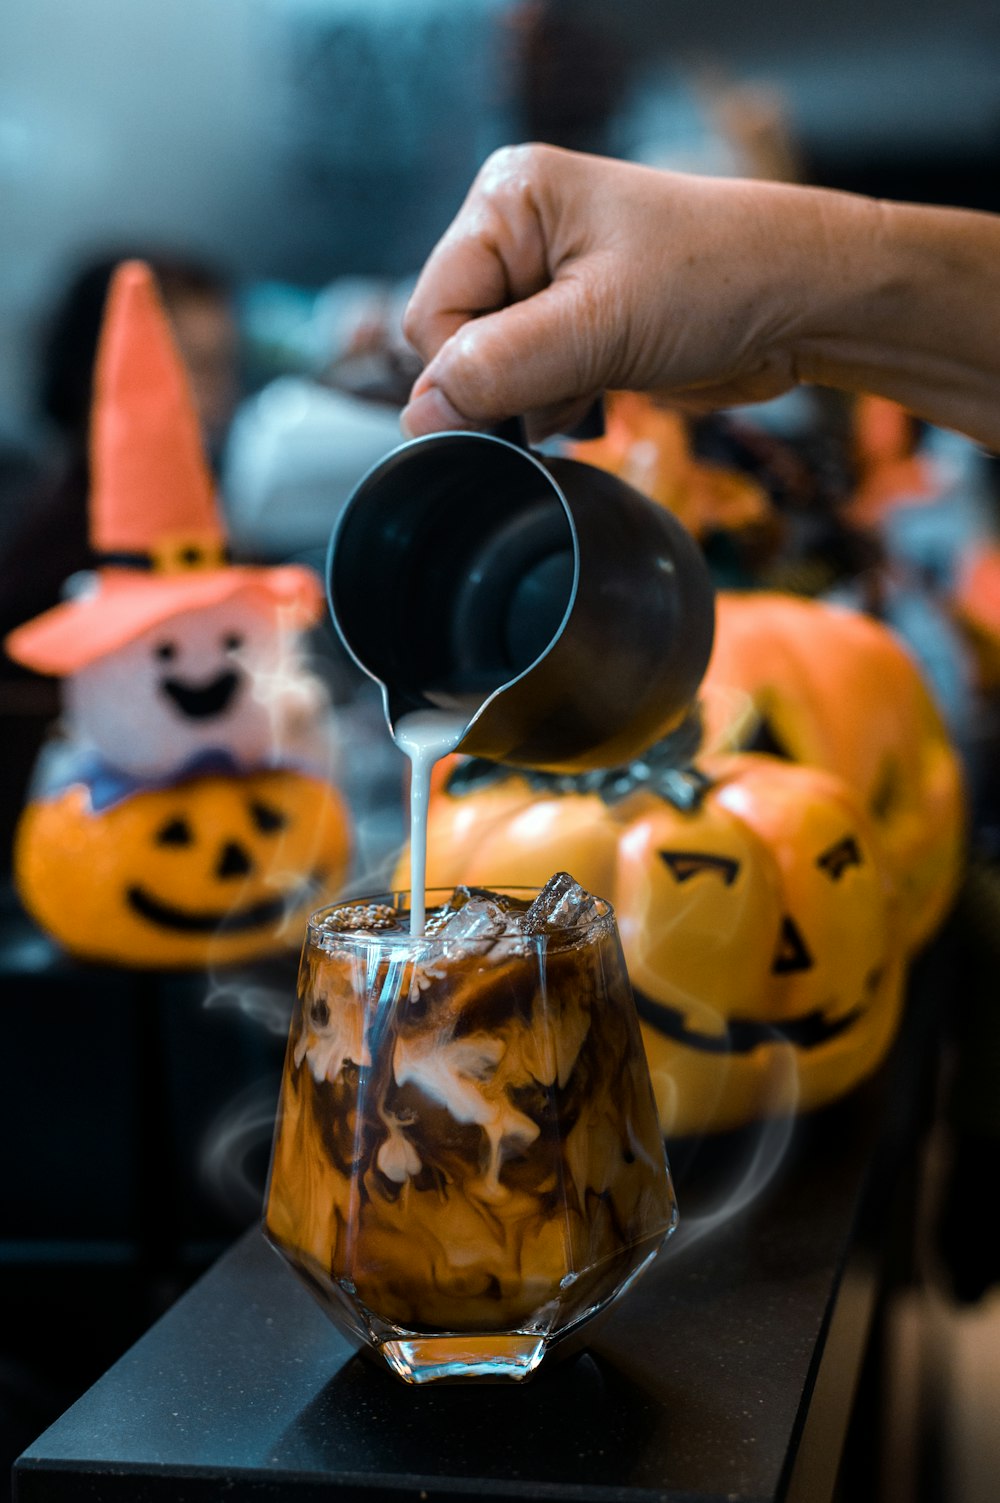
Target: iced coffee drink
{"type": "Point", "coordinates": [467, 1163]}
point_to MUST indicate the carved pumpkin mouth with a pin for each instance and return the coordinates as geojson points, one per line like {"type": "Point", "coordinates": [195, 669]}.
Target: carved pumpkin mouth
{"type": "Point", "coordinates": [229, 921]}
{"type": "Point", "coordinates": [744, 1035]}
{"type": "Point", "coordinates": [204, 701]}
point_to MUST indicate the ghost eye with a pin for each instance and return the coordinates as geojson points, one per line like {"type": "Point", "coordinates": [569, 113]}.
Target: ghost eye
{"type": "Point", "coordinates": [165, 651]}
{"type": "Point", "coordinates": [267, 819]}
{"type": "Point", "coordinates": [683, 865]}
{"type": "Point", "coordinates": [839, 857]}
{"type": "Point", "coordinates": [232, 642]}
{"type": "Point", "coordinates": [175, 832]}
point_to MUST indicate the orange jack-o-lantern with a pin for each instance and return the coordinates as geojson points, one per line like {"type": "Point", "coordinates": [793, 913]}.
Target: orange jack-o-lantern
{"type": "Point", "coordinates": [211, 871]}
{"type": "Point", "coordinates": [826, 686]}
{"type": "Point", "coordinates": [758, 922]}
{"type": "Point", "coordinates": [762, 945]}
{"type": "Point", "coordinates": [650, 448]}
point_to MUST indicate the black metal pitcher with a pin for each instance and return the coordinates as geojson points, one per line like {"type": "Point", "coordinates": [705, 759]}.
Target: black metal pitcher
{"type": "Point", "coordinates": [567, 615]}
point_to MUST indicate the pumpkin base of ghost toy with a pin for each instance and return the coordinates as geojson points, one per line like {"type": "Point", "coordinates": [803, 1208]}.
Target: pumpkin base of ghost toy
{"type": "Point", "coordinates": [212, 871]}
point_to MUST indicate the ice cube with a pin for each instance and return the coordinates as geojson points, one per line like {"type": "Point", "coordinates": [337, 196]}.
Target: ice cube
{"type": "Point", "coordinates": [561, 904]}
{"type": "Point", "coordinates": [439, 916]}
{"type": "Point", "coordinates": [480, 919]}
{"type": "Point", "coordinates": [464, 894]}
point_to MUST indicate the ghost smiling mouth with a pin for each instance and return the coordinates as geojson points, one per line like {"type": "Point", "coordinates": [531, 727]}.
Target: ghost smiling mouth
{"type": "Point", "coordinates": [202, 701]}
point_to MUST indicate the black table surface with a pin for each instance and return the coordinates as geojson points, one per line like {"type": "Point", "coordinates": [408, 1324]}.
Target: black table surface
{"type": "Point", "coordinates": [728, 1373]}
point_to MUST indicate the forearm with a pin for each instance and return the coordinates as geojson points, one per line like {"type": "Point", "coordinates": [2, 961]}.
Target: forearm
{"type": "Point", "coordinates": [909, 307]}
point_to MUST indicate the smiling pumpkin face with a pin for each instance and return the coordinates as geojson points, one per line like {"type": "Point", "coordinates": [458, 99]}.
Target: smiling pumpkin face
{"type": "Point", "coordinates": [760, 926]}
{"type": "Point", "coordinates": [212, 871]}
{"type": "Point", "coordinates": [763, 944]}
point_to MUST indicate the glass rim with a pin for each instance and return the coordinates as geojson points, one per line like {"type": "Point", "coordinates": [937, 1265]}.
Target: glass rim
{"type": "Point", "coordinates": [317, 931]}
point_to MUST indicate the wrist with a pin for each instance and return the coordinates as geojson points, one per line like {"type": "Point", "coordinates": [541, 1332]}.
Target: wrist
{"type": "Point", "coordinates": [852, 283]}
{"type": "Point", "coordinates": [907, 305]}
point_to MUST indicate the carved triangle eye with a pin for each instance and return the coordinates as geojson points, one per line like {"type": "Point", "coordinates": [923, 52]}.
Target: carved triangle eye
{"type": "Point", "coordinates": [175, 832]}
{"type": "Point", "coordinates": [793, 952]}
{"type": "Point", "coordinates": [266, 818]}
{"type": "Point", "coordinates": [766, 739]}
{"type": "Point", "coordinates": [683, 865]}
{"type": "Point", "coordinates": [839, 857]}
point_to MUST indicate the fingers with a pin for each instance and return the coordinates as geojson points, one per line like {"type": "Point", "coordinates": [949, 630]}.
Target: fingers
{"type": "Point", "coordinates": [494, 253]}
{"type": "Point", "coordinates": [429, 411]}
{"type": "Point", "coordinates": [432, 412]}
{"type": "Point", "coordinates": [565, 275]}
{"type": "Point", "coordinates": [563, 418]}
{"type": "Point", "coordinates": [539, 359]}
{"type": "Point", "coordinates": [463, 278]}
{"type": "Point", "coordinates": [497, 313]}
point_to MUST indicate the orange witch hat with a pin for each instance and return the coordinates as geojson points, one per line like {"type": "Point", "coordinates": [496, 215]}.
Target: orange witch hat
{"type": "Point", "coordinates": [154, 521]}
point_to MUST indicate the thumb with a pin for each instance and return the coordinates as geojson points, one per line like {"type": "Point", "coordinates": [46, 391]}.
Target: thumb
{"type": "Point", "coordinates": [541, 356]}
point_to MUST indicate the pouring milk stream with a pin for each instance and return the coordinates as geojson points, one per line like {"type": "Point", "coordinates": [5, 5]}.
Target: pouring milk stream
{"type": "Point", "coordinates": [425, 736]}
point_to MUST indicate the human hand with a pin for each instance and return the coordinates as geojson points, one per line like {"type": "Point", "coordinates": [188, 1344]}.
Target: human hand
{"type": "Point", "coordinates": [565, 274]}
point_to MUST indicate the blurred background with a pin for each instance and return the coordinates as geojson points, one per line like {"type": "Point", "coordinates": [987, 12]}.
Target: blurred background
{"type": "Point", "coordinates": [306, 140]}
{"type": "Point", "coordinates": [305, 154]}
{"type": "Point", "coordinates": [286, 165]}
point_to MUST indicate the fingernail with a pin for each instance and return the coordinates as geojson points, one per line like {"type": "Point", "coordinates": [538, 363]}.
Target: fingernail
{"type": "Point", "coordinates": [430, 412]}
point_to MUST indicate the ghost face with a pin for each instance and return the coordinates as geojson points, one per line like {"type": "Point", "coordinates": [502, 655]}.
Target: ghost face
{"type": "Point", "coordinates": [227, 677]}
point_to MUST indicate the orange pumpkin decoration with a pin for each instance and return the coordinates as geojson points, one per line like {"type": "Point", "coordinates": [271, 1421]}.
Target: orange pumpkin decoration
{"type": "Point", "coordinates": [650, 448]}
{"type": "Point", "coordinates": [212, 871]}
{"type": "Point", "coordinates": [758, 924]}
{"type": "Point", "coordinates": [823, 685]}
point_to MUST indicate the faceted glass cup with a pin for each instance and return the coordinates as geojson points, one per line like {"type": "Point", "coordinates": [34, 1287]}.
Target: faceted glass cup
{"type": "Point", "coordinates": [467, 1165]}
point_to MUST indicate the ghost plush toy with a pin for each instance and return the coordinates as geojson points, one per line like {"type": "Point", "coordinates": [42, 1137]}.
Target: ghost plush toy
{"type": "Point", "coordinates": [188, 795]}
{"type": "Point", "coordinates": [225, 679]}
